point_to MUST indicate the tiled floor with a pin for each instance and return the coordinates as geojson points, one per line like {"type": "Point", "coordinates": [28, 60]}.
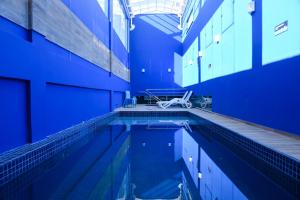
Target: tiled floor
{"type": "Point", "coordinates": [283, 143]}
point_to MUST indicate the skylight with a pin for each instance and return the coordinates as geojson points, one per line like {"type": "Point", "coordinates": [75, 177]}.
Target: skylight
{"type": "Point", "coordinates": [137, 7]}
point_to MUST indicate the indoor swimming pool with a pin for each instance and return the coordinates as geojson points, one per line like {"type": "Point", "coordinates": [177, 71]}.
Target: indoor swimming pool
{"type": "Point", "coordinates": [149, 99]}
{"type": "Point", "coordinates": [152, 157]}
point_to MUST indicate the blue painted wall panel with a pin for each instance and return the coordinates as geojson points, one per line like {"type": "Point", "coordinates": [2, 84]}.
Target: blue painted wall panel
{"type": "Point", "coordinates": [117, 99]}
{"type": "Point", "coordinates": [88, 87]}
{"type": "Point", "coordinates": [14, 113]}
{"type": "Point", "coordinates": [8, 27]}
{"type": "Point", "coordinates": [154, 43]}
{"type": "Point", "coordinates": [64, 103]}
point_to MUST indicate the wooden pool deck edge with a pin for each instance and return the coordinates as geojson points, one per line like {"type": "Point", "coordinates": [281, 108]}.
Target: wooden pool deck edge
{"type": "Point", "coordinates": [284, 143]}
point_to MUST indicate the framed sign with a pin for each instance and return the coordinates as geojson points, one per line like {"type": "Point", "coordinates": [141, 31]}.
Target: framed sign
{"type": "Point", "coordinates": [281, 28]}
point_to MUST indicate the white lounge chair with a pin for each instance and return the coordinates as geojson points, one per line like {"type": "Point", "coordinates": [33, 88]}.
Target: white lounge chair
{"type": "Point", "coordinates": [184, 101]}
{"type": "Point", "coordinates": [160, 103]}
{"type": "Point", "coordinates": [205, 102]}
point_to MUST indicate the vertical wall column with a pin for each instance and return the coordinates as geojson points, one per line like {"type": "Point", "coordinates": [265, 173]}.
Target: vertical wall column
{"type": "Point", "coordinates": [37, 109]}
{"type": "Point", "coordinates": [257, 33]}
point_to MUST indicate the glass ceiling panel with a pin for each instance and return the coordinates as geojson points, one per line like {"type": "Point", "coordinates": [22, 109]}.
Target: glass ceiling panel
{"type": "Point", "coordinates": [137, 7]}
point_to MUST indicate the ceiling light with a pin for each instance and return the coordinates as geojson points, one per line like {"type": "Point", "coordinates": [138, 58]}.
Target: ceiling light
{"type": "Point", "coordinates": [217, 38]}
{"type": "Point", "coordinates": [199, 175]}
{"type": "Point", "coordinates": [132, 26]}
{"type": "Point", "coordinates": [200, 54]}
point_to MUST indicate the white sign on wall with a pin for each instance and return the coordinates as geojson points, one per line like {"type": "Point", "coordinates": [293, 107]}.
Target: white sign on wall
{"type": "Point", "coordinates": [280, 28]}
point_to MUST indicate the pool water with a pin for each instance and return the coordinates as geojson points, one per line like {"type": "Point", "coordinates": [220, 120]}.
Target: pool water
{"type": "Point", "coordinates": [149, 158]}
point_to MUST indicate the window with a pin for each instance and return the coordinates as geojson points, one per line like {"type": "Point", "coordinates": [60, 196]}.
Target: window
{"type": "Point", "coordinates": [203, 2]}
{"type": "Point", "coordinates": [104, 6]}
{"type": "Point", "coordinates": [137, 7]}
{"type": "Point", "coordinates": [120, 22]}
{"type": "Point", "coordinates": [189, 16]}
{"type": "Point", "coordinates": [226, 50]}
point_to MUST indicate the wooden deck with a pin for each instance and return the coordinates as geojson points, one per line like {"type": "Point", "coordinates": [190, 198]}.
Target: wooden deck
{"type": "Point", "coordinates": [284, 143]}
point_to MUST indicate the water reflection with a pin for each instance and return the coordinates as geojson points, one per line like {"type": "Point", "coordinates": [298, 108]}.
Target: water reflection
{"type": "Point", "coordinates": [186, 164]}
{"type": "Point", "coordinates": [181, 171]}
{"type": "Point", "coordinates": [162, 159]}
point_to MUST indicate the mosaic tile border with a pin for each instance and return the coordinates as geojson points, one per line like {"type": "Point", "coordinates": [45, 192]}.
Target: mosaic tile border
{"type": "Point", "coordinates": [287, 182]}
{"type": "Point", "coordinates": [18, 161]}
{"type": "Point", "coordinates": [283, 163]}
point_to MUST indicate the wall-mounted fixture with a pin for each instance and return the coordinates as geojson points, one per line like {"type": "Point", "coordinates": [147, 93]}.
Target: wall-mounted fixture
{"type": "Point", "coordinates": [132, 26]}
{"type": "Point", "coordinates": [190, 62]}
{"type": "Point", "coordinates": [143, 70]}
{"type": "Point", "coordinates": [199, 175]}
{"type": "Point", "coordinates": [200, 54]}
{"type": "Point", "coordinates": [281, 28]}
{"type": "Point", "coordinates": [169, 70]}
{"type": "Point", "coordinates": [180, 22]}
{"type": "Point", "coordinates": [217, 38]}
{"type": "Point", "coordinates": [251, 7]}
{"type": "Point", "coordinates": [190, 158]}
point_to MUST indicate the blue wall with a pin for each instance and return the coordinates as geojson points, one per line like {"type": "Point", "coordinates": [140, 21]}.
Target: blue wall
{"type": "Point", "coordinates": [153, 45]}
{"type": "Point", "coordinates": [267, 95]}
{"type": "Point", "coordinates": [45, 88]}
{"type": "Point", "coordinates": [14, 110]}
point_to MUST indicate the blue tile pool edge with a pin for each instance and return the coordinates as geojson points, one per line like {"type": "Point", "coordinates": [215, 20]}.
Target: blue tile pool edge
{"type": "Point", "coordinates": [18, 161]}
{"type": "Point", "coordinates": [275, 159]}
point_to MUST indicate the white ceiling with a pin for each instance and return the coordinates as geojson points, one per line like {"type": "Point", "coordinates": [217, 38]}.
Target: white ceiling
{"type": "Point", "coordinates": [137, 7]}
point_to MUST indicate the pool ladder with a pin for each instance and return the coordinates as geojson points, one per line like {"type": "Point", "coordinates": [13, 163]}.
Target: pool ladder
{"type": "Point", "coordinates": [154, 94]}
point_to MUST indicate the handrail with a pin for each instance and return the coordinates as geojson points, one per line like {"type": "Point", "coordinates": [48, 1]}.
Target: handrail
{"type": "Point", "coordinates": [167, 91]}
{"type": "Point", "coordinates": [154, 94]}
